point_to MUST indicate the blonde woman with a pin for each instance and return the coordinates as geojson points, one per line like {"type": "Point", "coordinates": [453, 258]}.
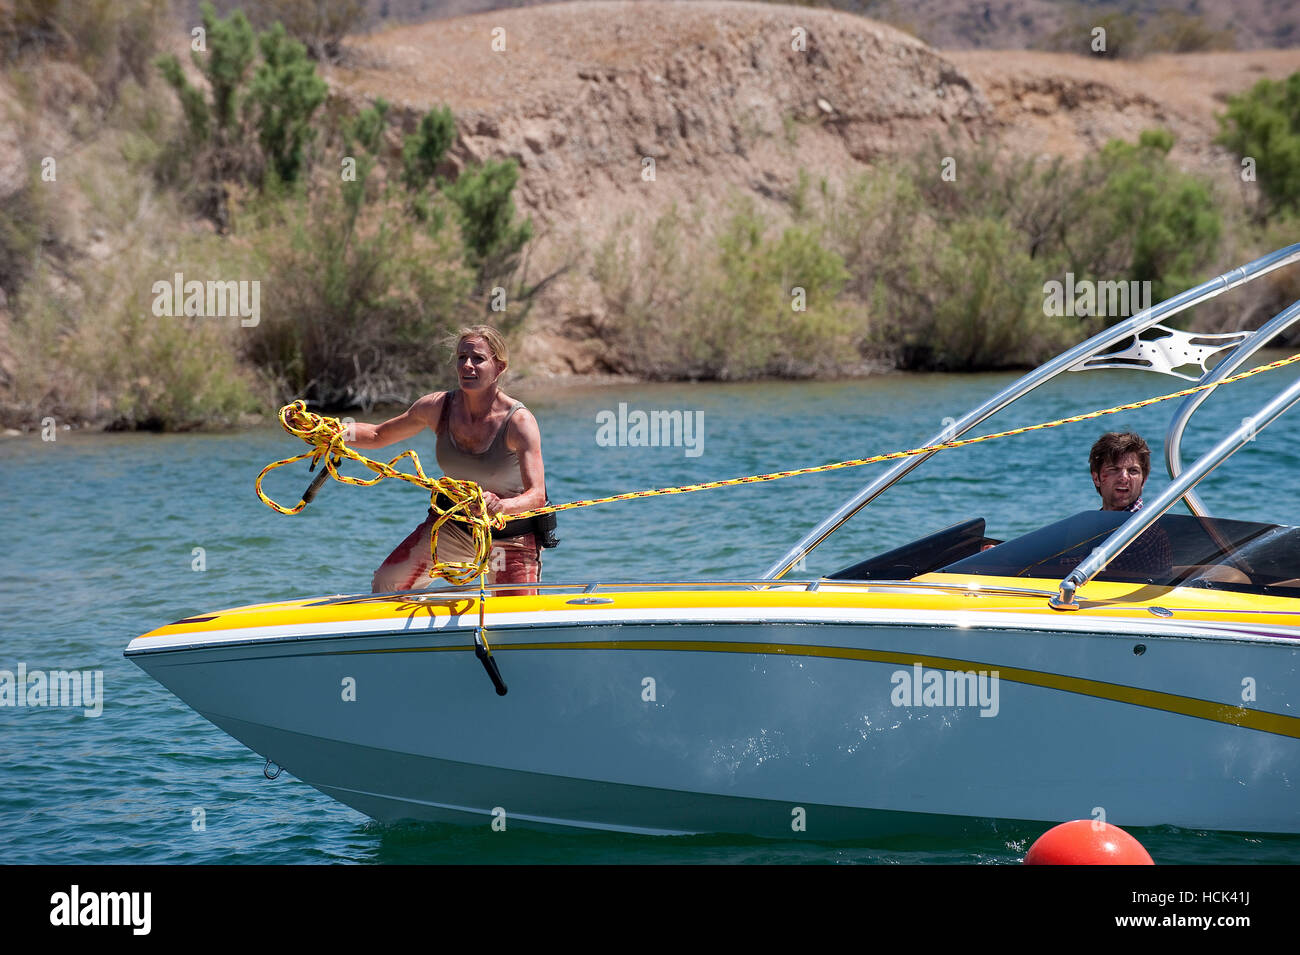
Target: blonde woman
{"type": "Point", "coordinates": [484, 436]}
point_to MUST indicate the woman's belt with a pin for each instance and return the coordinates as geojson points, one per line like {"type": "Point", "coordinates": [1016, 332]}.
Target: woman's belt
{"type": "Point", "coordinates": [543, 525]}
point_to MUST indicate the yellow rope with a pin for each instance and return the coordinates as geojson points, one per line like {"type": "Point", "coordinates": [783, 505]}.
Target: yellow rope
{"type": "Point", "coordinates": [327, 435]}
{"type": "Point", "coordinates": [912, 452]}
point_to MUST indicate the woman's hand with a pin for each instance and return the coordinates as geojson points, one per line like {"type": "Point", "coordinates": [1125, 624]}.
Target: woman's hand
{"type": "Point", "coordinates": [490, 501]}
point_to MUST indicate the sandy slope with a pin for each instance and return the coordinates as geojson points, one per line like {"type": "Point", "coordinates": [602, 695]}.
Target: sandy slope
{"type": "Point", "coordinates": [717, 96]}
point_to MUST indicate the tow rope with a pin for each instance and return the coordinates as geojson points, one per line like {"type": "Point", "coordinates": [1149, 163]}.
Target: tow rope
{"type": "Point", "coordinates": [327, 435]}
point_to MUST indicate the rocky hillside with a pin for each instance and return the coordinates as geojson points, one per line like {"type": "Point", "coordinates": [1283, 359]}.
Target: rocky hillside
{"type": "Point", "coordinates": [947, 24]}
{"type": "Point", "coordinates": [744, 95]}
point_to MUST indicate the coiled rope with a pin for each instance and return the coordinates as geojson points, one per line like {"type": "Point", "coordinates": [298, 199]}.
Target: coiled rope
{"type": "Point", "coordinates": [326, 435]}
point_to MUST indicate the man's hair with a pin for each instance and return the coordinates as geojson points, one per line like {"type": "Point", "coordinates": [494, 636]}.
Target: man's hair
{"type": "Point", "coordinates": [1113, 445]}
{"type": "Point", "coordinates": [496, 342]}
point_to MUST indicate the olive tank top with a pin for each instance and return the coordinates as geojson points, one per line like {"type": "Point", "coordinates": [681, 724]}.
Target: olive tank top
{"type": "Point", "coordinates": [495, 470]}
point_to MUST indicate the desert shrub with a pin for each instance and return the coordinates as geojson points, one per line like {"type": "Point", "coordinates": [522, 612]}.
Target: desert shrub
{"type": "Point", "coordinates": [951, 274]}
{"type": "Point", "coordinates": [320, 25]}
{"type": "Point", "coordinates": [362, 137]}
{"type": "Point", "coordinates": [1137, 216]}
{"type": "Point", "coordinates": [494, 239]}
{"type": "Point", "coordinates": [1122, 37]}
{"type": "Point", "coordinates": [648, 287]}
{"type": "Point", "coordinates": [110, 40]}
{"type": "Point", "coordinates": [283, 94]}
{"type": "Point", "coordinates": [1130, 35]}
{"type": "Point", "coordinates": [212, 149]}
{"type": "Point", "coordinates": [30, 225]}
{"type": "Point", "coordinates": [1176, 31]}
{"type": "Point", "coordinates": [269, 101]}
{"type": "Point", "coordinates": [978, 303]}
{"type": "Point", "coordinates": [358, 298]}
{"type": "Point", "coordinates": [692, 302]}
{"type": "Point", "coordinates": [1264, 123]}
{"type": "Point", "coordinates": [424, 149]}
{"type": "Point", "coordinates": [118, 361]}
{"type": "Point", "coordinates": [1126, 213]}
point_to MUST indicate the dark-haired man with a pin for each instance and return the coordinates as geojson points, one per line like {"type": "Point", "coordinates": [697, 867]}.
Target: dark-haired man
{"type": "Point", "coordinates": [1120, 462]}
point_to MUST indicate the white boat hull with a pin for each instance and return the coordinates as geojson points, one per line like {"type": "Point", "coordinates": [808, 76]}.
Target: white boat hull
{"type": "Point", "coordinates": [771, 729]}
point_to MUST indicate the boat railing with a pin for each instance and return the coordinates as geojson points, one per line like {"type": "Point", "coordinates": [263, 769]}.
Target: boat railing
{"type": "Point", "coordinates": [1230, 363]}
{"type": "Point", "coordinates": [1071, 358]}
{"type": "Point", "coordinates": [584, 591]}
{"type": "Point", "coordinates": [1132, 528]}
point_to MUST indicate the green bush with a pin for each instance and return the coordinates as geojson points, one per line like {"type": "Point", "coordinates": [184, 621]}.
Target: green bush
{"type": "Point", "coordinates": [1122, 37]}
{"type": "Point", "coordinates": [1264, 124]}
{"type": "Point", "coordinates": [282, 96]}
{"type": "Point", "coordinates": [494, 241]}
{"type": "Point", "coordinates": [690, 303]}
{"type": "Point", "coordinates": [1130, 35]}
{"type": "Point", "coordinates": [118, 362]}
{"type": "Point", "coordinates": [231, 48]}
{"type": "Point", "coordinates": [358, 299]}
{"type": "Point", "coordinates": [1138, 217]}
{"type": "Point", "coordinates": [109, 39]}
{"type": "Point", "coordinates": [951, 272]}
{"type": "Point", "coordinates": [270, 101]}
{"type": "Point", "coordinates": [362, 140]}
{"type": "Point", "coordinates": [1174, 31]}
{"type": "Point", "coordinates": [29, 227]}
{"type": "Point", "coordinates": [319, 25]}
{"type": "Point", "coordinates": [424, 149]}
{"type": "Point", "coordinates": [979, 304]}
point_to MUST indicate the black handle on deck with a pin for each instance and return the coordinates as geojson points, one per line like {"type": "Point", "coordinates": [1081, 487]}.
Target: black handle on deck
{"type": "Point", "coordinates": [490, 665]}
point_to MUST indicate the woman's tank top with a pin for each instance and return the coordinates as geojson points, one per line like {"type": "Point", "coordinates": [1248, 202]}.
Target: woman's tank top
{"type": "Point", "coordinates": [495, 470]}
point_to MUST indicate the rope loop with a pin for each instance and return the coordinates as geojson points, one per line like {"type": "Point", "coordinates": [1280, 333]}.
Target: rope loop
{"type": "Point", "coordinates": [328, 438]}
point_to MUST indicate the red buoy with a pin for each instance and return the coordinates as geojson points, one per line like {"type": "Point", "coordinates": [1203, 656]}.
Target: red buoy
{"type": "Point", "coordinates": [1087, 842]}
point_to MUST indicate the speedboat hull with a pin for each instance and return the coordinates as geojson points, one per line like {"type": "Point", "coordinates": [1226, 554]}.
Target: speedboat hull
{"type": "Point", "coordinates": [831, 715]}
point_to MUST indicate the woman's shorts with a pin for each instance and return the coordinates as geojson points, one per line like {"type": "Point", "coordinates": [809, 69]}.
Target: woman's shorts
{"type": "Point", "coordinates": [515, 560]}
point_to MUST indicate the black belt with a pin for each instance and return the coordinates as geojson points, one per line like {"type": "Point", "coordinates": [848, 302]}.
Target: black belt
{"type": "Point", "coordinates": [543, 525]}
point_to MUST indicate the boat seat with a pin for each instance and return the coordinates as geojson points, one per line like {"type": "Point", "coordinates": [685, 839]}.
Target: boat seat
{"type": "Point", "coordinates": [1293, 582]}
{"type": "Point", "coordinates": [1220, 573]}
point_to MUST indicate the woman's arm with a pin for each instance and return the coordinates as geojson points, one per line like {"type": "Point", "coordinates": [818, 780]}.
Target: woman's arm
{"type": "Point", "coordinates": [525, 439]}
{"type": "Point", "coordinates": [423, 414]}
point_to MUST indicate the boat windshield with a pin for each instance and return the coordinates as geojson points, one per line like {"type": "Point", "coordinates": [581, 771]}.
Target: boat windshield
{"type": "Point", "coordinates": [1177, 550]}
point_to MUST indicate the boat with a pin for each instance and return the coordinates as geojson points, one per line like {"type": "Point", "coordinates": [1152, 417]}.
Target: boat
{"type": "Point", "coordinates": [950, 685]}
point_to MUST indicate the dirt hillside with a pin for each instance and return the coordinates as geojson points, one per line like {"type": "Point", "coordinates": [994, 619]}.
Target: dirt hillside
{"type": "Point", "coordinates": [743, 95]}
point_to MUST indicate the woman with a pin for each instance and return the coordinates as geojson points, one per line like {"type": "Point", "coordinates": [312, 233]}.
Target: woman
{"type": "Point", "coordinates": [484, 436]}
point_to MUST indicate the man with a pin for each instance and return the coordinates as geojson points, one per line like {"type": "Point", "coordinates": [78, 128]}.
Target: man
{"type": "Point", "coordinates": [1120, 463]}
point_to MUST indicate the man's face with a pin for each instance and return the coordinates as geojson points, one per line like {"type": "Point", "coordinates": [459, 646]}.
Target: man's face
{"type": "Point", "coordinates": [1119, 483]}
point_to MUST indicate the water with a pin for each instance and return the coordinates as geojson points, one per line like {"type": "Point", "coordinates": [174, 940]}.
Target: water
{"type": "Point", "coordinates": [102, 532]}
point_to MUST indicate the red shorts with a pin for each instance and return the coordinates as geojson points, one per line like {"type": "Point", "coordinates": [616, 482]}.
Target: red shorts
{"type": "Point", "coordinates": [515, 560]}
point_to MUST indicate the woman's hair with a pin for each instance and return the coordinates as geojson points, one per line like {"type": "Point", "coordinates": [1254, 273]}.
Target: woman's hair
{"type": "Point", "coordinates": [496, 342]}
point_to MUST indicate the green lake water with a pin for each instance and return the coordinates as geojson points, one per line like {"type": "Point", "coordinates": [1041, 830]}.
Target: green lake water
{"type": "Point", "coordinates": [101, 532]}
